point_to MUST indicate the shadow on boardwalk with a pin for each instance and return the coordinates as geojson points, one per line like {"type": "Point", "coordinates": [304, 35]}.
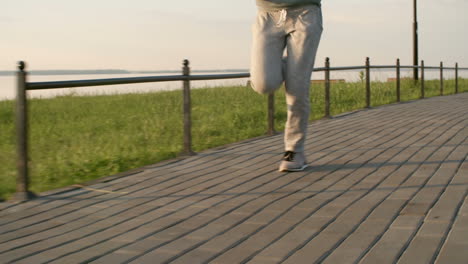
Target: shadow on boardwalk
{"type": "Point", "coordinates": [385, 185]}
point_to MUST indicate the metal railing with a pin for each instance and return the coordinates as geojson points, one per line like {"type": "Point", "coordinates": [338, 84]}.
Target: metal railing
{"type": "Point", "coordinates": [22, 187]}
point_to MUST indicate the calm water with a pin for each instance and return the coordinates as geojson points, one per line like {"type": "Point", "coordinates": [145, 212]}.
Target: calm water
{"type": "Point", "coordinates": [7, 83]}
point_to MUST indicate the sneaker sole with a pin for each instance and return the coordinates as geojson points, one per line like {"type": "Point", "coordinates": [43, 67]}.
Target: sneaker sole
{"type": "Point", "coordinates": [294, 170]}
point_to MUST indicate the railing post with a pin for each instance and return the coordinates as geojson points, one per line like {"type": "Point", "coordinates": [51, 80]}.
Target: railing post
{"type": "Point", "coordinates": [422, 80]}
{"type": "Point", "coordinates": [398, 84]}
{"type": "Point", "coordinates": [441, 78]}
{"type": "Point", "coordinates": [187, 108]}
{"type": "Point", "coordinates": [456, 78]}
{"type": "Point", "coordinates": [327, 87]}
{"type": "Point", "coordinates": [368, 88]}
{"type": "Point", "coordinates": [22, 180]}
{"type": "Point", "coordinates": [271, 114]}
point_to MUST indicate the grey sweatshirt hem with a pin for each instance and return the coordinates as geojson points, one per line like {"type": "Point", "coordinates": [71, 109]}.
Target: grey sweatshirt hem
{"type": "Point", "coordinates": [271, 5]}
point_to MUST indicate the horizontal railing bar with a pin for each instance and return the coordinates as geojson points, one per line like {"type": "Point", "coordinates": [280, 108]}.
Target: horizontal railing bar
{"type": "Point", "coordinates": [412, 67]}
{"type": "Point", "coordinates": [130, 80]}
{"type": "Point", "coordinates": [218, 76]}
{"type": "Point", "coordinates": [383, 66]}
{"type": "Point", "coordinates": [432, 68]}
{"type": "Point", "coordinates": [99, 82]}
{"type": "Point", "coordinates": [347, 68]}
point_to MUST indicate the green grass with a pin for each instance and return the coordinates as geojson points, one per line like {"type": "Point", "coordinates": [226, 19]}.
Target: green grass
{"type": "Point", "coordinates": [79, 138]}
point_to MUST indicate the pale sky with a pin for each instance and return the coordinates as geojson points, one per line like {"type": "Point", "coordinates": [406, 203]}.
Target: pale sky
{"type": "Point", "coordinates": [216, 34]}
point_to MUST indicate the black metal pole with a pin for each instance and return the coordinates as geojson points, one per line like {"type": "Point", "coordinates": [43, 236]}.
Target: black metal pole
{"type": "Point", "coordinates": [441, 78]}
{"type": "Point", "coordinates": [398, 84]}
{"type": "Point", "coordinates": [327, 87]}
{"type": "Point", "coordinates": [368, 88]}
{"type": "Point", "coordinates": [456, 77]}
{"type": "Point", "coordinates": [415, 39]}
{"type": "Point", "coordinates": [422, 80]}
{"type": "Point", "coordinates": [22, 180]}
{"type": "Point", "coordinates": [271, 114]}
{"type": "Point", "coordinates": [187, 108]}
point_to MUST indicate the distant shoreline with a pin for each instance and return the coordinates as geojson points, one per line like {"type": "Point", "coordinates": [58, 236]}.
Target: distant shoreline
{"type": "Point", "coordinates": [111, 71]}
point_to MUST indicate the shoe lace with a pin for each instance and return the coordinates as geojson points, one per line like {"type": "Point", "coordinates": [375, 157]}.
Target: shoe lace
{"type": "Point", "coordinates": [289, 156]}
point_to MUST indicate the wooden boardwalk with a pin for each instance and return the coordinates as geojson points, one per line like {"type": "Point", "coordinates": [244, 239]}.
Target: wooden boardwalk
{"type": "Point", "coordinates": [386, 185]}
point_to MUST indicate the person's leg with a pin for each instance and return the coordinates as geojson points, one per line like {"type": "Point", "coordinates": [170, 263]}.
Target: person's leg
{"type": "Point", "coordinates": [266, 70]}
{"type": "Point", "coordinates": [302, 47]}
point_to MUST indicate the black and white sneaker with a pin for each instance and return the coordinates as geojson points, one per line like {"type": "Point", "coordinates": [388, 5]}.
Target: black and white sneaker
{"type": "Point", "coordinates": [293, 161]}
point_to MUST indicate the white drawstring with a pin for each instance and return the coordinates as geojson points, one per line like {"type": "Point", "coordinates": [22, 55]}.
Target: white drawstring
{"type": "Point", "coordinates": [282, 19]}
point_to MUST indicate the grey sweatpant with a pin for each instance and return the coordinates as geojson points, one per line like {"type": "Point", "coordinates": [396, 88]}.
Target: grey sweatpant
{"type": "Point", "coordinates": [285, 43]}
